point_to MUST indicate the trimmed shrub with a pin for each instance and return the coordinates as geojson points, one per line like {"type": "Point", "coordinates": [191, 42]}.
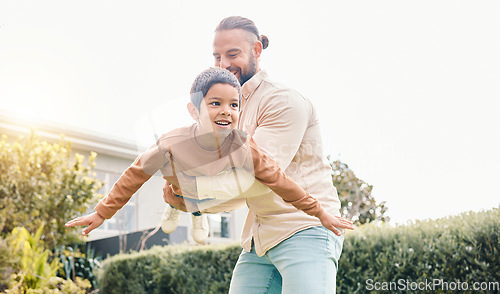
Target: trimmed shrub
{"type": "Point", "coordinates": [207, 270]}
{"type": "Point", "coordinates": [170, 269]}
{"type": "Point", "coordinates": [464, 248]}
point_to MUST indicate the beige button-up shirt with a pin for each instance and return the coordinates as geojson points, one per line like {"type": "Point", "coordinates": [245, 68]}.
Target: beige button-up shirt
{"type": "Point", "coordinates": [284, 124]}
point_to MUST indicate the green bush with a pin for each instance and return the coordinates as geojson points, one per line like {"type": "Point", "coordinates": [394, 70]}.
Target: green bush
{"type": "Point", "coordinates": [43, 182]}
{"type": "Point", "coordinates": [5, 264]}
{"type": "Point", "coordinates": [464, 247]}
{"type": "Point", "coordinates": [32, 262]}
{"type": "Point", "coordinates": [207, 270]}
{"type": "Point", "coordinates": [32, 271]}
{"type": "Point", "coordinates": [170, 269]}
{"type": "Point", "coordinates": [76, 263]}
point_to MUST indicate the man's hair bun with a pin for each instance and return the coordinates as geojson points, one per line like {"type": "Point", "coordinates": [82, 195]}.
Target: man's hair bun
{"type": "Point", "coordinates": [265, 41]}
{"type": "Point", "coordinates": [239, 22]}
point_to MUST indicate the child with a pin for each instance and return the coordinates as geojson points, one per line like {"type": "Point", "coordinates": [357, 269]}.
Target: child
{"type": "Point", "coordinates": [209, 147]}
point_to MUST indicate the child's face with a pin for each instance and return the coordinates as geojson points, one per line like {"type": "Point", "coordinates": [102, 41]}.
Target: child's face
{"type": "Point", "coordinates": [220, 112]}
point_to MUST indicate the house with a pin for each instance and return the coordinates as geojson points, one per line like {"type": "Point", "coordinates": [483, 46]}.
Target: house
{"type": "Point", "coordinates": [143, 212]}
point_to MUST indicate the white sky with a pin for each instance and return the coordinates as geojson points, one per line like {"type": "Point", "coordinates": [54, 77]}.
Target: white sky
{"type": "Point", "coordinates": [408, 92]}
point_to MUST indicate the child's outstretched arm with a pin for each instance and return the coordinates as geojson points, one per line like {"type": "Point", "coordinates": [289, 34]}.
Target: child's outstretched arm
{"type": "Point", "coordinates": [311, 206]}
{"type": "Point", "coordinates": [140, 171]}
{"type": "Point", "coordinates": [93, 221]}
{"type": "Point", "coordinates": [269, 173]}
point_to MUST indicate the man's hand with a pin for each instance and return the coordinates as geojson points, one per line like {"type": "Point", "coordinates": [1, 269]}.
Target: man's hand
{"type": "Point", "coordinates": [93, 221]}
{"type": "Point", "coordinates": [333, 223]}
{"type": "Point", "coordinates": [170, 198]}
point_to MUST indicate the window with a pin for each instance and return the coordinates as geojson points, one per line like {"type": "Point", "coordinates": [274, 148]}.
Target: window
{"type": "Point", "coordinates": [219, 225]}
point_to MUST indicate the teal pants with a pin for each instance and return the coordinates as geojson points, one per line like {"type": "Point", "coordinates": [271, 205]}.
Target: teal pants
{"type": "Point", "coordinates": [306, 262]}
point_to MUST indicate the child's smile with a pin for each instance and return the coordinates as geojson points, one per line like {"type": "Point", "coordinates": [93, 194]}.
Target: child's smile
{"type": "Point", "coordinates": [221, 109]}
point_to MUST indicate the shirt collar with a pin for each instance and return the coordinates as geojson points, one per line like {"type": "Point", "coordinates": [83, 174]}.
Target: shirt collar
{"type": "Point", "coordinates": [252, 84]}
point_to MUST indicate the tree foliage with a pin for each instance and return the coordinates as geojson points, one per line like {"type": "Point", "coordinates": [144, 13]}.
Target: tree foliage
{"type": "Point", "coordinates": [42, 182]}
{"type": "Point", "coordinates": [355, 195]}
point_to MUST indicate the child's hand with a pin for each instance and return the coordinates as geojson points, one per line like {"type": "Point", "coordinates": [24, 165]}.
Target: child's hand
{"type": "Point", "coordinates": [93, 221]}
{"type": "Point", "coordinates": [333, 223]}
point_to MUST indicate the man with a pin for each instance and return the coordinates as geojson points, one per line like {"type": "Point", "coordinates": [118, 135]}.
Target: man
{"type": "Point", "coordinates": [284, 249]}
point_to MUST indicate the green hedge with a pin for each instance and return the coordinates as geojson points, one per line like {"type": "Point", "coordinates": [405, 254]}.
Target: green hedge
{"type": "Point", "coordinates": [171, 269]}
{"type": "Point", "coordinates": [464, 248]}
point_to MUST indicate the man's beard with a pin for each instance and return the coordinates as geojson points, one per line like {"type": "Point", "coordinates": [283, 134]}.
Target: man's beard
{"type": "Point", "coordinates": [251, 69]}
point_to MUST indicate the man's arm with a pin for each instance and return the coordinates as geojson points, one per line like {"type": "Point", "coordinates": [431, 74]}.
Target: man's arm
{"type": "Point", "coordinates": [281, 126]}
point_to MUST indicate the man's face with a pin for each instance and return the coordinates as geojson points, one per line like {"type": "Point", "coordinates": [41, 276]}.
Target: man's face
{"type": "Point", "coordinates": [234, 52]}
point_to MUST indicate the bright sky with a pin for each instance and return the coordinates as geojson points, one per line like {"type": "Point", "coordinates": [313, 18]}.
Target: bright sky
{"type": "Point", "coordinates": [408, 92]}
